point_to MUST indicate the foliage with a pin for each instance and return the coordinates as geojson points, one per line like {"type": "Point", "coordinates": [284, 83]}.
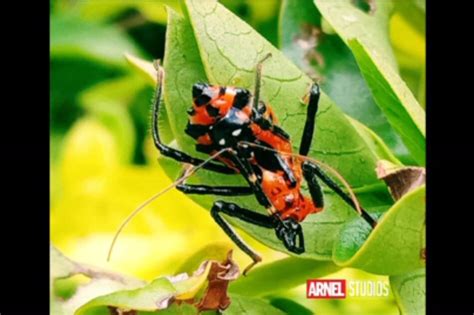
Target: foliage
{"type": "Point", "coordinates": [103, 162]}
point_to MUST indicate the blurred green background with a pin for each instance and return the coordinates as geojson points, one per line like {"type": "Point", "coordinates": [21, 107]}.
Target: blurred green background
{"type": "Point", "coordinates": [103, 163]}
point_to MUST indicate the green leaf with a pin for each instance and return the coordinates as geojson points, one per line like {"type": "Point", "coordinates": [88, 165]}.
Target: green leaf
{"type": "Point", "coordinates": [366, 36]}
{"type": "Point", "coordinates": [157, 295]}
{"type": "Point", "coordinates": [281, 275]}
{"type": "Point", "coordinates": [71, 36]}
{"type": "Point", "coordinates": [160, 295]}
{"type": "Point", "coordinates": [374, 142]}
{"type": "Point", "coordinates": [394, 246]}
{"type": "Point", "coordinates": [289, 306]}
{"type": "Point", "coordinates": [336, 143]}
{"type": "Point", "coordinates": [66, 87]}
{"type": "Point", "coordinates": [410, 292]}
{"type": "Point", "coordinates": [370, 29]}
{"type": "Point", "coordinates": [395, 100]}
{"type": "Point", "coordinates": [153, 11]}
{"type": "Point", "coordinates": [144, 67]}
{"type": "Point", "coordinates": [250, 305]}
{"type": "Point", "coordinates": [328, 58]}
{"type": "Point", "coordinates": [187, 61]}
{"type": "Point", "coordinates": [143, 299]}
{"type": "Point", "coordinates": [91, 290]}
{"type": "Point", "coordinates": [102, 282]}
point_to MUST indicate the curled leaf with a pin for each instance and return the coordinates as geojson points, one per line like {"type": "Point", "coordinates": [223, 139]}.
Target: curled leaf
{"type": "Point", "coordinates": [211, 278]}
{"type": "Point", "coordinates": [400, 179]}
{"type": "Point", "coordinates": [215, 297]}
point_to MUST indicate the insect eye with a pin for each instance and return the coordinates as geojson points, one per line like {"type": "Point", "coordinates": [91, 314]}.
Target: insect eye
{"type": "Point", "coordinates": [202, 99]}
{"type": "Point", "coordinates": [212, 111]}
{"type": "Point", "coordinates": [241, 99]}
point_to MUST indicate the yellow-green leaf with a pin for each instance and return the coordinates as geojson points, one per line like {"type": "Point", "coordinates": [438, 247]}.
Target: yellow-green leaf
{"type": "Point", "coordinates": [410, 292]}
{"type": "Point", "coordinates": [394, 247]}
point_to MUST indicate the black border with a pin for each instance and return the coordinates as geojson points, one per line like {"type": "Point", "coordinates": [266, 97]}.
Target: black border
{"type": "Point", "coordinates": [449, 159]}
{"type": "Point", "coordinates": [24, 158]}
{"type": "Point", "coordinates": [24, 220]}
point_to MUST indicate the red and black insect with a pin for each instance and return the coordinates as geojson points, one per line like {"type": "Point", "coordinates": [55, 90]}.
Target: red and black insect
{"type": "Point", "coordinates": [241, 132]}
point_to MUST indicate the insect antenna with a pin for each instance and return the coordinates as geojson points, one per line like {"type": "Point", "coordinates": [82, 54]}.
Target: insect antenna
{"type": "Point", "coordinates": [353, 197]}
{"type": "Point", "coordinates": [188, 173]}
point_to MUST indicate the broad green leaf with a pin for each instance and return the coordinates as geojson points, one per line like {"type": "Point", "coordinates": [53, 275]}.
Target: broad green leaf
{"type": "Point", "coordinates": [394, 246]}
{"type": "Point", "coordinates": [374, 142]}
{"type": "Point", "coordinates": [410, 292]}
{"type": "Point", "coordinates": [192, 56]}
{"type": "Point", "coordinates": [281, 275]}
{"type": "Point", "coordinates": [327, 57]}
{"type": "Point", "coordinates": [184, 67]}
{"type": "Point", "coordinates": [374, 194]}
{"type": "Point", "coordinates": [395, 100]}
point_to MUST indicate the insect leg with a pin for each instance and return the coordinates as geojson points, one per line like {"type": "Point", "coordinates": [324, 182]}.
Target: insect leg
{"type": "Point", "coordinates": [249, 174]}
{"type": "Point", "coordinates": [314, 187]}
{"type": "Point", "coordinates": [168, 151]}
{"type": "Point", "coordinates": [213, 190]}
{"type": "Point", "coordinates": [310, 123]}
{"type": "Point", "coordinates": [236, 211]}
{"type": "Point", "coordinates": [313, 168]}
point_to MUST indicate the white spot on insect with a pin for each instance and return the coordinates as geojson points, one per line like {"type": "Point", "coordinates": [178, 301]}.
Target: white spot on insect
{"type": "Point", "coordinates": [222, 141]}
{"type": "Point", "coordinates": [236, 132]}
{"type": "Point", "coordinates": [253, 178]}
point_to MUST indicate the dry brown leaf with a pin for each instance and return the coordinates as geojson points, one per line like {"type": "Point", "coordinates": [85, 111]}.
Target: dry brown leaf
{"type": "Point", "coordinates": [215, 296]}
{"type": "Point", "coordinates": [400, 179]}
